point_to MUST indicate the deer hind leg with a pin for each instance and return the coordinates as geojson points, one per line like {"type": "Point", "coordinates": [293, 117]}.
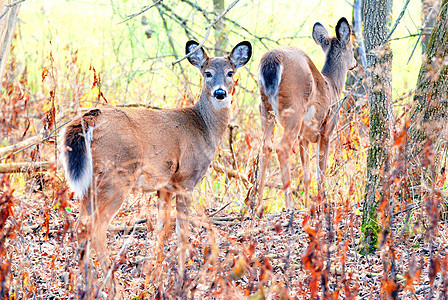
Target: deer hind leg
{"type": "Point", "coordinates": [283, 149]}
{"type": "Point", "coordinates": [84, 233]}
{"type": "Point", "coordinates": [324, 145]}
{"type": "Point", "coordinates": [305, 159]}
{"type": "Point", "coordinates": [163, 219]}
{"type": "Point", "coordinates": [183, 202]}
{"type": "Point", "coordinates": [267, 124]}
{"type": "Point", "coordinates": [104, 205]}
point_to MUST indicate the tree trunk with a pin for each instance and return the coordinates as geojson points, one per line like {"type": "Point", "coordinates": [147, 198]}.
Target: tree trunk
{"type": "Point", "coordinates": [430, 10]}
{"type": "Point", "coordinates": [220, 30]}
{"type": "Point", "coordinates": [379, 58]}
{"type": "Point", "coordinates": [8, 21]}
{"type": "Point", "coordinates": [357, 27]}
{"type": "Point", "coordinates": [430, 111]}
{"type": "Point", "coordinates": [360, 56]}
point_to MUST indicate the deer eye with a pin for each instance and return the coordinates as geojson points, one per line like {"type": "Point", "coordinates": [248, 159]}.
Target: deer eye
{"type": "Point", "coordinates": [230, 74]}
{"type": "Point", "coordinates": [208, 74]}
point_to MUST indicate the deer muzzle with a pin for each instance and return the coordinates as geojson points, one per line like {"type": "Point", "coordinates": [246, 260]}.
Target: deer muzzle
{"type": "Point", "coordinates": [220, 94]}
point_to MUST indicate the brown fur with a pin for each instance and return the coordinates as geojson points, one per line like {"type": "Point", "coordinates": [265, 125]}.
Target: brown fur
{"type": "Point", "coordinates": [303, 98]}
{"type": "Point", "coordinates": [167, 151]}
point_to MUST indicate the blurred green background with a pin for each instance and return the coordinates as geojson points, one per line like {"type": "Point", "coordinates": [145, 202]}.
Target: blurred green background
{"type": "Point", "coordinates": [134, 57]}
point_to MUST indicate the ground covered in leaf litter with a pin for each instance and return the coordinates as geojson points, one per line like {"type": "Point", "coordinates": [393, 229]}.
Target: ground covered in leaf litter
{"type": "Point", "coordinates": [230, 257]}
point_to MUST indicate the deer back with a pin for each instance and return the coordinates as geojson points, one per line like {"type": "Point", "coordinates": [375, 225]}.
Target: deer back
{"type": "Point", "coordinates": [292, 86]}
{"type": "Point", "coordinates": [151, 149]}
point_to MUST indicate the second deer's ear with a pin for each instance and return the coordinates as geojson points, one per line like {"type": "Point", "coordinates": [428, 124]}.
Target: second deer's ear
{"type": "Point", "coordinates": [320, 35]}
{"type": "Point", "coordinates": [241, 54]}
{"type": "Point", "coordinates": [343, 30]}
{"type": "Point", "coordinates": [199, 57]}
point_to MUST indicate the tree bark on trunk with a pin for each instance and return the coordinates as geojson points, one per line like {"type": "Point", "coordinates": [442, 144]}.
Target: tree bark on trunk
{"type": "Point", "coordinates": [8, 21]}
{"type": "Point", "coordinates": [220, 30]}
{"type": "Point", "coordinates": [430, 11]}
{"type": "Point", "coordinates": [430, 111]}
{"type": "Point", "coordinates": [379, 58]}
{"type": "Point", "coordinates": [360, 56]}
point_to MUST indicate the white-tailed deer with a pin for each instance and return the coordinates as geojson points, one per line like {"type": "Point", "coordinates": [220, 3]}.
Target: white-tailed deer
{"type": "Point", "coordinates": [110, 151]}
{"type": "Point", "coordinates": [300, 98]}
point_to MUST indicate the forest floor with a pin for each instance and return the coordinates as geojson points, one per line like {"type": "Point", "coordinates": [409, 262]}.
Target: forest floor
{"type": "Point", "coordinates": [230, 256]}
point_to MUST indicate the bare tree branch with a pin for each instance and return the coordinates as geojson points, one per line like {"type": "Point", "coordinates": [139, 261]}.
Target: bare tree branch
{"type": "Point", "coordinates": [260, 38]}
{"type": "Point", "coordinates": [170, 40]}
{"type": "Point", "coordinates": [396, 22]}
{"type": "Point", "coordinates": [179, 20]}
{"type": "Point", "coordinates": [208, 29]}
{"type": "Point", "coordinates": [142, 11]}
{"type": "Point", "coordinates": [21, 146]}
{"type": "Point", "coordinates": [406, 37]}
{"type": "Point", "coordinates": [205, 14]}
{"type": "Point", "coordinates": [200, 9]}
{"type": "Point", "coordinates": [8, 6]}
{"type": "Point", "coordinates": [24, 166]}
{"type": "Point", "coordinates": [421, 31]}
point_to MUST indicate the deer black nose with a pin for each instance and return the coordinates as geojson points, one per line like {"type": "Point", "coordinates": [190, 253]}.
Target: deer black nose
{"type": "Point", "coordinates": [220, 94]}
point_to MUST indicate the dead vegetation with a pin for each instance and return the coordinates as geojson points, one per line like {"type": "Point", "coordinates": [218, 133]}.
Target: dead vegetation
{"type": "Point", "coordinates": [233, 253]}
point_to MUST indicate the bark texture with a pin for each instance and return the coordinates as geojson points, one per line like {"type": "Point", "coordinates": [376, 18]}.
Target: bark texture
{"type": "Point", "coordinates": [429, 115]}
{"type": "Point", "coordinates": [430, 11]}
{"type": "Point", "coordinates": [360, 56]}
{"type": "Point", "coordinates": [8, 21]}
{"type": "Point", "coordinates": [379, 58]}
{"type": "Point", "coordinates": [220, 30]}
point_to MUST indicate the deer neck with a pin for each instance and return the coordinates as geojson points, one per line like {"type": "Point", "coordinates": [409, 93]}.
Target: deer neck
{"type": "Point", "coordinates": [334, 73]}
{"type": "Point", "coordinates": [215, 120]}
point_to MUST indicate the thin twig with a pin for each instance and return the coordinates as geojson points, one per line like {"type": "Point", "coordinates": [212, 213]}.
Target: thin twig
{"type": "Point", "coordinates": [171, 42]}
{"type": "Point", "coordinates": [8, 6]}
{"type": "Point", "coordinates": [142, 11]}
{"type": "Point", "coordinates": [396, 23]}
{"type": "Point", "coordinates": [219, 210]}
{"type": "Point", "coordinates": [232, 152]}
{"type": "Point", "coordinates": [421, 32]}
{"type": "Point", "coordinates": [15, 3]}
{"type": "Point", "coordinates": [406, 37]}
{"type": "Point", "coordinates": [38, 141]}
{"type": "Point", "coordinates": [208, 29]}
{"type": "Point", "coordinates": [259, 38]}
{"type": "Point", "coordinates": [179, 20]}
{"type": "Point", "coordinates": [342, 101]}
{"type": "Point", "coordinates": [198, 8]}
{"type": "Point", "coordinates": [19, 166]}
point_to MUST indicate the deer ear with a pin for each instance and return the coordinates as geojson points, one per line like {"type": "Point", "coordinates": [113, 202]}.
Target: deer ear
{"type": "Point", "coordinates": [320, 35]}
{"type": "Point", "coordinates": [343, 30]}
{"type": "Point", "coordinates": [241, 54]}
{"type": "Point", "coordinates": [199, 57]}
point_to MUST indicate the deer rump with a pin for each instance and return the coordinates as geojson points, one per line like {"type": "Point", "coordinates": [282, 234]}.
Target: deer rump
{"type": "Point", "coordinates": [291, 83]}
{"type": "Point", "coordinates": [131, 148]}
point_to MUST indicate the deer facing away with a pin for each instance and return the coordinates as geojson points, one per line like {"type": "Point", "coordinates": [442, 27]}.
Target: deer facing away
{"type": "Point", "coordinates": [110, 151]}
{"type": "Point", "coordinates": [299, 97]}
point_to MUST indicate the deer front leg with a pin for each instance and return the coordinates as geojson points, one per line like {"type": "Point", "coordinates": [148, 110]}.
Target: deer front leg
{"type": "Point", "coordinates": [183, 202]}
{"type": "Point", "coordinates": [305, 159]}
